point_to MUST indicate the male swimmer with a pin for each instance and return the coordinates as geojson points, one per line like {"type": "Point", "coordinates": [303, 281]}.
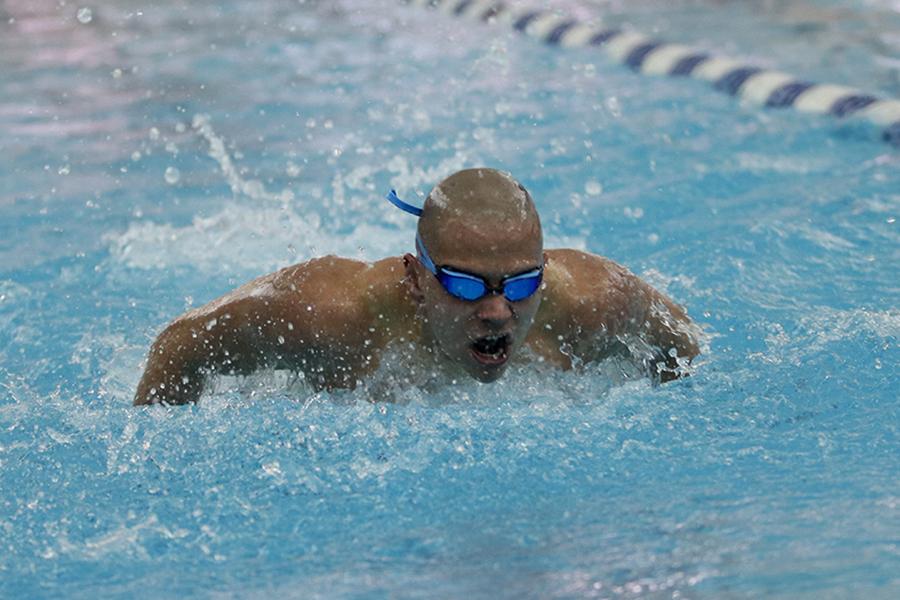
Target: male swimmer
{"type": "Point", "coordinates": [480, 288]}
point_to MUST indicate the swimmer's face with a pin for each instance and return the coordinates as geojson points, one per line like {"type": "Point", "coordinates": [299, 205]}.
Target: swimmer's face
{"type": "Point", "coordinates": [479, 336]}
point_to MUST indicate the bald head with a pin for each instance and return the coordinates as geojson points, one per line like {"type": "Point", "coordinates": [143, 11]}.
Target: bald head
{"type": "Point", "coordinates": [479, 210]}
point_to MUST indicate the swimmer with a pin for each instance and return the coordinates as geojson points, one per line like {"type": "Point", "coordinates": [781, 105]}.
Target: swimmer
{"type": "Point", "coordinates": [479, 289]}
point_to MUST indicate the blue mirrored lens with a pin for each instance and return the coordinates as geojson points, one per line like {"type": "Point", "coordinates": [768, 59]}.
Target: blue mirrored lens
{"type": "Point", "coordinates": [519, 289]}
{"type": "Point", "coordinates": [462, 287]}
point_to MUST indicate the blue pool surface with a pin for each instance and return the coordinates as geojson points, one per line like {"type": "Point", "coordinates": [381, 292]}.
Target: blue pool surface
{"type": "Point", "coordinates": [155, 155]}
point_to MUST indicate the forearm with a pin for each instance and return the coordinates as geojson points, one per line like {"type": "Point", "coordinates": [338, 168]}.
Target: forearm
{"type": "Point", "coordinates": [235, 336]}
{"type": "Point", "coordinates": [672, 334]}
{"type": "Point", "coordinates": [175, 372]}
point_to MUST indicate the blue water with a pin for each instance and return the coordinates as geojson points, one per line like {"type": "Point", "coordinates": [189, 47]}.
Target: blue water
{"type": "Point", "coordinates": [154, 157]}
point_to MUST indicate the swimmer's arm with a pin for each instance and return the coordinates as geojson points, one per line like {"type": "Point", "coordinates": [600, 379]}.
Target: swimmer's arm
{"type": "Point", "coordinates": [664, 325]}
{"type": "Point", "coordinates": [216, 338]}
{"type": "Point", "coordinates": [174, 373]}
{"type": "Point", "coordinates": [604, 296]}
{"type": "Point", "coordinates": [326, 317]}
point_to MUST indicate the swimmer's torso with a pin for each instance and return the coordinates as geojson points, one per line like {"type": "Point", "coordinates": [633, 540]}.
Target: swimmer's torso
{"type": "Point", "coordinates": [331, 318]}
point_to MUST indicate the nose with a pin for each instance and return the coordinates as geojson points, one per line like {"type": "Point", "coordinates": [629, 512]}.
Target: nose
{"type": "Point", "coordinates": [494, 310]}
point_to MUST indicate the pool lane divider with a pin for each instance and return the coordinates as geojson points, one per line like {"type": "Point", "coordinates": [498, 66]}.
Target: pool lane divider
{"type": "Point", "coordinates": [769, 88]}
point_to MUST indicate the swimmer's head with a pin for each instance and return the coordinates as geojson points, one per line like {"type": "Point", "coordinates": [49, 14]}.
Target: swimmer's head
{"type": "Point", "coordinates": [480, 222]}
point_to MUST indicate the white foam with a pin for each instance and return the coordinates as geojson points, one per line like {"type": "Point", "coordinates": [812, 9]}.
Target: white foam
{"type": "Point", "coordinates": [408, 177]}
{"type": "Point", "coordinates": [826, 325]}
{"type": "Point", "coordinates": [242, 238]}
{"type": "Point", "coordinates": [781, 163]}
{"type": "Point", "coordinates": [12, 291]}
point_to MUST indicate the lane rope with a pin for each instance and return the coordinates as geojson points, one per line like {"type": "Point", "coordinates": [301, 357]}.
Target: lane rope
{"type": "Point", "coordinates": [643, 54]}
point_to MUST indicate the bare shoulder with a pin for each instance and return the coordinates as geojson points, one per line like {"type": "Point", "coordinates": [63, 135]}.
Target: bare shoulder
{"type": "Point", "coordinates": [328, 288]}
{"type": "Point", "coordinates": [333, 274]}
{"type": "Point", "coordinates": [320, 316]}
{"type": "Point", "coordinates": [586, 288]}
{"type": "Point", "coordinates": [588, 295]}
{"type": "Point", "coordinates": [585, 268]}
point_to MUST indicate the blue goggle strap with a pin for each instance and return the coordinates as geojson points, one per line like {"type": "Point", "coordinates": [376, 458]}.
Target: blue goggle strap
{"type": "Point", "coordinates": [396, 201]}
{"type": "Point", "coordinates": [423, 255]}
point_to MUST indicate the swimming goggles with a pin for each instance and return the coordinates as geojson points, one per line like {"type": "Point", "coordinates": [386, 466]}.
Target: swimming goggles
{"type": "Point", "coordinates": [466, 286]}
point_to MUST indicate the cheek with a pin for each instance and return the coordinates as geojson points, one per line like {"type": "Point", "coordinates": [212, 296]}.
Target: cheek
{"type": "Point", "coordinates": [440, 308]}
{"type": "Point", "coordinates": [448, 318]}
{"type": "Point", "coordinates": [528, 311]}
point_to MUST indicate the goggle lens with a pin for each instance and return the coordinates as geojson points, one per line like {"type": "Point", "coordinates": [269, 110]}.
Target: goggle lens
{"type": "Point", "coordinates": [469, 288]}
{"type": "Point", "coordinates": [462, 287]}
{"type": "Point", "coordinates": [519, 289]}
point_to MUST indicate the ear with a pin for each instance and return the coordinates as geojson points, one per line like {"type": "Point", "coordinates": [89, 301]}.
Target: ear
{"type": "Point", "coordinates": [411, 263]}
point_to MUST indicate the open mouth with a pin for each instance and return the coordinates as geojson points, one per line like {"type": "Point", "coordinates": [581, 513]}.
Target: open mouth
{"type": "Point", "coordinates": [491, 349]}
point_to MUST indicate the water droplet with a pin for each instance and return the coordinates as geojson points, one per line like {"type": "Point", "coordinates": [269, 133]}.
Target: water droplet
{"type": "Point", "coordinates": [172, 175]}
{"type": "Point", "coordinates": [135, 156]}
{"type": "Point", "coordinates": [64, 170]}
{"type": "Point", "coordinates": [293, 170]}
{"type": "Point", "coordinates": [180, 127]}
{"type": "Point", "coordinates": [154, 133]}
{"type": "Point", "coordinates": [593, 188]}
{"type": "Point", "coordinates": [280, 339]}
{"type": "Point", "coordinates": [84, 15]}
{"type": "Point", "coordinates": [615, 109]}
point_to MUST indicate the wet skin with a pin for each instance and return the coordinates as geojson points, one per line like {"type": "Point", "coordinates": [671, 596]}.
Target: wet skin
{"type": "Point", "coordinates": [332, 317]}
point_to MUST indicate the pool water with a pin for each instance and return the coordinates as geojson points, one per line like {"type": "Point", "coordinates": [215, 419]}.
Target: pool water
{"type": "Point", "coordinates": [155, 156]}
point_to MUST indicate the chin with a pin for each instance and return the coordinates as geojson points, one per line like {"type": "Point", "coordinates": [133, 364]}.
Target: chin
{"type": "Point", "coordinates": [491, 377]}
{"type": "Point", "coordinates": [487, 374]}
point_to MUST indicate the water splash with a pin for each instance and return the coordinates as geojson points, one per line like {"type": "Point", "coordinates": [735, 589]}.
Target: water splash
{"type": "Point", "coordinates": [250, 188]}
